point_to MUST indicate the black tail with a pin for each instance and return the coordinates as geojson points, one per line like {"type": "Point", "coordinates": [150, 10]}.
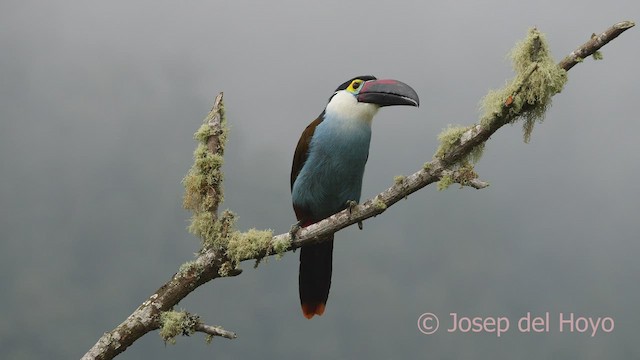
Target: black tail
{"type": "Point", "coordinates": [314, 279]}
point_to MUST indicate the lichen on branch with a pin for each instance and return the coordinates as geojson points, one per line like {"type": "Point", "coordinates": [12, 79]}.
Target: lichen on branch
{"type": "Point", "coordinates": [203, 195]}
{"type": "Point", "coordinates": [144, 318]}
{"type": "Point", "coordinates": [203, 182]}
{"type": "Point", "coordinates": [451, 137]}
{"type": "Point", "coordinates": [174, 323]}
{"type": "Point", "coordinates": [529, 94]}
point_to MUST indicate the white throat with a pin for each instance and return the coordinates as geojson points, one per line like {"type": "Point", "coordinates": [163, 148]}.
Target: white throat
{"type": "Point", "coordinates": [345, 106]}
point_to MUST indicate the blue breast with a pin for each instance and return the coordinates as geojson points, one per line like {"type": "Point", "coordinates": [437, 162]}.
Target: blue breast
{"type": "Point", "coordinates": [332, 174]}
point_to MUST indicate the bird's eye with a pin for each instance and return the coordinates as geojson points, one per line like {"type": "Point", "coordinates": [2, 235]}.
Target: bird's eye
{"type": "Point", "coordinates": [356, 84]}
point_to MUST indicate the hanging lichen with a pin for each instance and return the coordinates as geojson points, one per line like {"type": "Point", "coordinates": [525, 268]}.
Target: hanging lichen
{"type": "Point", "coordinates": [538, 78]}
{"type": "Point", "coordinates": [203, 194]}
{"type": "Point", "coordinates": [174, 323]}
{"type": "Point", "coordinates": [451, 137]}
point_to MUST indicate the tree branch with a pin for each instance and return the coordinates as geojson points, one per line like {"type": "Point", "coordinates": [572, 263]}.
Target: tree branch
{"type": "Point", "coordinates": [215, 331]}
{"type": "Point", "coordinates": [215, 145]}
{"type": "Point", "coordinates": [215, 260]}
{"type": "Point", "coordinates": [593, 45]}
{"type": "Point", "coordinates": [433, 171]}
{"type": "Point", "coordinates": [146, 317]}
{"type": "Point", "coordinates": [174, 323]}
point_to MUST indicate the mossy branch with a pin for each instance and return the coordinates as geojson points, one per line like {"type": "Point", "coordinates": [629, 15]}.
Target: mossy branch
{"type": "Point", "coordinates": [203, 182]}
{"type": "Point", "coordinates": [176, 323]}
{"type": "Point", "coordinates": [527, 96]}
{"type": "Point", "coordinates": [203, 195]}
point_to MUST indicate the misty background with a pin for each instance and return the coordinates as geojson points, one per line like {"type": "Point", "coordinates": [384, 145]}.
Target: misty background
{"type": "Point", "coordinates": [98, 105]}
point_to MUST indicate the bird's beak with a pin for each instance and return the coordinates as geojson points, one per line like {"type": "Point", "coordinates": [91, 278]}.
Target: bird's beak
{"type": "Point", "coordinates": [387, 92]}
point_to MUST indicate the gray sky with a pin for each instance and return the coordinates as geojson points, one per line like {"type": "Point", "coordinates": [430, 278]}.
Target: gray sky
{"type": "Point", "coordinates": [98, 104]}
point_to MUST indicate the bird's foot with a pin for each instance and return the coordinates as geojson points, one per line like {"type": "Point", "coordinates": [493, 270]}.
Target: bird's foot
{"type": "Point", "coordinates": [352, 205]}
{"type": "Point", "coordinates": [294, 230]}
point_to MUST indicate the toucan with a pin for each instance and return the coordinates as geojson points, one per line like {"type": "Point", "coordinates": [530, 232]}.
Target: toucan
{"type": "Point", "coordinates": [328, 166]}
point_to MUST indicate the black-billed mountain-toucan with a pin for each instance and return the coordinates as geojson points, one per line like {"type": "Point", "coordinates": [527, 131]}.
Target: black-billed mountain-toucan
{"type": "Point", "coordinates": [328, 166]}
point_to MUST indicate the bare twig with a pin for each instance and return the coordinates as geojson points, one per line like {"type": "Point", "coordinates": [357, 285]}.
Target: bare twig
{"type": "Point", "coordinates": [593, 45]}
{"type": "Point", "coordinates": [215, 331]}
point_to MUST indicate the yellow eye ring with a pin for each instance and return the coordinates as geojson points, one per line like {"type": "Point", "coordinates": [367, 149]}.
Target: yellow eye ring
{"type": "Point", "coordinates": [355, 85]}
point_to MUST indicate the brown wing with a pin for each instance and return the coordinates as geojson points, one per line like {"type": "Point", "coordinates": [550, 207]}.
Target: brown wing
{"type": "Point", "coordinates": [302, 149]}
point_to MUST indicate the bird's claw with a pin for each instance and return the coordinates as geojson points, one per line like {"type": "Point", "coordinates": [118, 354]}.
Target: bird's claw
{"type": "Point", "coordinates": [294, 229]}
{"type": "Point", "coordinates": [351, 204]}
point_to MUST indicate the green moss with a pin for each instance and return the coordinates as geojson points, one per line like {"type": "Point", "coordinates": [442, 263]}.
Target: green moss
{"type": "Point", "coordinates": [192, 196]}
{"type": "Point", "coordinates": [465, 174]}
{"type": "Point", "coordinates": [171, 325]}
{"type": "Point", "coordinates": [203, 133]}
{"type": "Point", "coordinates": [427, 166]}
{"type": "Point", "coordinates": [492, 104]}
{"type": "Point", "coordinates": [450, 137]}
{"type": "Point", "coordinates": [538, 78]}
{"type": "Point", "coordinates": [174, 323]}
{"type": "Point", "coordinates": [225, 269]}
{"type": "Point", "coordinates": [203, 184]}
{"type": "Point", "coordinates": [220, 234]}
{"type": "Point", "coordinates": [379, 204]}
{"type": "Point", "coordinates": [189, 267]}
{"type": "Point", "coordinates": [398, 180]}
{"type": "Point", "coordinates": [203, 194]}
{"type": "Point", "coordinates": [475, 154]}
{"type": "Point", "coordinates": [281, 246]}
{"type": "Point", "coordinates": [445, 182]}
{"type": "Point", "coordinates": [205, 226]}
{"type": "Point", "coordinates": [247, 245]}
{"type": "Point", "coordinates": [208, 164]}
{"type": "Point", "coordinates": [597, 55]}
{"type": "Point", "coordinates": [223, 124]}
